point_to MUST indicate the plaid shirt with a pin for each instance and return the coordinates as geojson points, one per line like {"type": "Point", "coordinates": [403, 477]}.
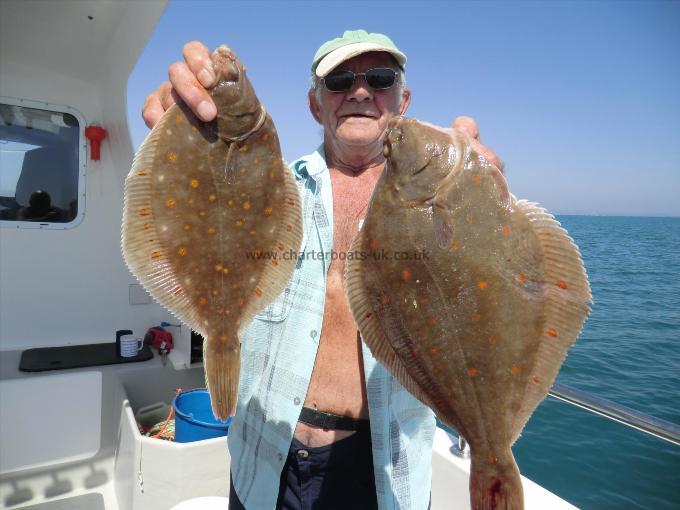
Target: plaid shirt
{"type": "Point", "coordinates": [278, 352]}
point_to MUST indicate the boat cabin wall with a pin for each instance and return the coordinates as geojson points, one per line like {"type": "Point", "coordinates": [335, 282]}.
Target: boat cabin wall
{"type": "Point", "coordinates": [71, 286]}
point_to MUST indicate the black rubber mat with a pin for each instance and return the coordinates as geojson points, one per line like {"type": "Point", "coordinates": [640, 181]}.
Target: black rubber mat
{"type": "Point", "coordinates": [76, 356]}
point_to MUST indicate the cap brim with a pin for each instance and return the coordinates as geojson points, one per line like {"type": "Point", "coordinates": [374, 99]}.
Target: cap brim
{"type": "Point", "coordinates": [337, 57]}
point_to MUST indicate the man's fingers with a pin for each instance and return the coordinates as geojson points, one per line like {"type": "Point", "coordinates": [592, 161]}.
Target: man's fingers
{"type": "Point", "coordinates": [467, 124]}
{"type": "Point", "coordinates": [167, 97]}
{"type": "Point", "coordinates": [153, 108]}
{"type": "Point", "coordinates": [197, 58]}
{"type": "Point", "coordinates": [488, 154]}
{"type": "Point", "coordinates": [187, 86]}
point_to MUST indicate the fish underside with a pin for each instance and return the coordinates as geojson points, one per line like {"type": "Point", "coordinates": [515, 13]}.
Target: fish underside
{"type": "Point", "coordinates": [477, 322]}
{"type": "Point", "coordinates": [209, 210]}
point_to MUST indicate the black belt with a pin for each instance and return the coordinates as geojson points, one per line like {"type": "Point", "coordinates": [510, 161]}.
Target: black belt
{"type": "Point", "coordinates": [332, 421]}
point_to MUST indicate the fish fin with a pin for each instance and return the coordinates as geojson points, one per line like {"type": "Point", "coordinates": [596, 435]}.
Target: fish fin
{"type": "Point", "coordinates": [495, 482]}
{"type": "Point", "coordinates": [371, 328]}
{"type": "Point", "coordinates": [442, 226]}
{"type": "Point", "coordinates": [568, 301]}
{"type": "Point", "coordinates": [276, 276]}
{"type": "Point", "coordinates": [231, 164]}
{"type": "Point", "coordinates": [142, 250]}
{"type": "Point", "coordinates": [222, 370]}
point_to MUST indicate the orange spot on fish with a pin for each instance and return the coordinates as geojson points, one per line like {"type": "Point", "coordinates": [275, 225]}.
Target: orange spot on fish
{"type": "Point", "coordinates": [225, 270]}
{"type": "Point", "coordinates": [246, 205]}
{"type": "Point", "coordinates": [186, 226]}
{"type": "Point", "coordinates": [432, 320]}
{"type": "Point", "coordinates": [182, 251]}
{"type": "Point", "coordinates": [224, 338]}
{"type": "Point", "coordinates": [144, 212]}
{"type": "Point", "coordinates": [201, 213]}
{"type": "Point", "coordinates": [470, 218]}
{"type": "Point", "coordinates": [434, 350]}
{"type": "Point", "coordinates": [202, 301]}
{"type": "Point", "coordinates": [521, 278]}
{"type": "Point", "coordinates": [238, 223]}
{"type": "Point", "coordinates": [477, 179]}
{"type": "Point", "coordinates": [482, 284]}
{"type": "Point", "coordinates": [252, 232]}
{"type": "Point", "coordinates": [241, 301]}
{"type": "Point", "coordinates": [535, 379]}
{"type": "Point", "coordinates": [245, 148]}
{"type": "Point", "coordinates": [218, 267]}
{"type": "Point", "coordinates": [473, 372]}
{"type": "Point", "coordinates": [242, 170]}
{"type": "Point", "coordinates": [212, 197]}
{"type": "Point", "coordinates": [215, 292]}
{"type": "Point", "coordinates": [172, 156]}
{"type": "Point", "coordinates": [405, 275]}
{"type": "Point", "coordinates": [268, 210]}
{"type": "Point", "coordinates": [551, 332]}
{"type": "Point", "coordinates": [280, 246]}
{"type": "Point", "coordinates": [142, 173]}
{"type": "Point", "coordinates": [289, 228]}
{"type": "Point", "coordinates": [146, 226]}
{"type": "Point", "coordinates": [515, 370]}
{"type": "Point", "coordinates": [275, 262]}
{"type": "Point", "coordinates": [170, 202]}
{"type": "Point", "coordinates": [384, 299]}
{"type": "Point", "coordinates": [476, 317]}
{"type": "Point", "coordinates": [373, 244]}
{"type": "Point", "coordinates": [264, 136]}
{"type": "Point", "coordinates": [493, 339]}
{"type": "Point", "coordinates": [155, 255]}
{"type": "Point", "coordinates": [211, 230]}
{"type": "Point", "coordinates": [258, 292]}
{"type": "Point", "coordinates": [505, 230]}
{"type": "Point", "coordinates": [194, 183]}
{"type": "Point", "coordinates": [179, 118]}
{"type": "Point", "coordinates": [290, 201]}
{"type": "Point", "coordinates": [561, 284]}
{"type": "Point", "coordinates": [230, 201]}
{"type": "Point", "coordinates": [454, 246]}
{"type": "Point", "coordinates": [492, 459]}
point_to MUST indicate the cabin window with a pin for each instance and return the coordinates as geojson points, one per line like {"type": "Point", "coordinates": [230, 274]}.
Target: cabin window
{"type": "Point", "coordinates": [42, 163]}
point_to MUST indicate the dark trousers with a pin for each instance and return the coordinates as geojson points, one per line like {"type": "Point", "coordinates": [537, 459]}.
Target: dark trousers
{"type": "Point", "coordinates": [338, 476]}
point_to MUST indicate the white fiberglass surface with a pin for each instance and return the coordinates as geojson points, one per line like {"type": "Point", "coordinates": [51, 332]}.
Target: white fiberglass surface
{"type": "Point", "coordinates": [49, 419]}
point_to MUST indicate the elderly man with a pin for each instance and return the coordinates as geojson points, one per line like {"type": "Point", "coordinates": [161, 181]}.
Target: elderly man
{"type": "Point", "coordinates": [319, 423]}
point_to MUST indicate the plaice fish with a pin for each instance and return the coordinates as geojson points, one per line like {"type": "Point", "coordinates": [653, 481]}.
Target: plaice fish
{"type": "Point", "coordinates": [209, 210]}
{"type": "Point", "coordinates": [476, 313]}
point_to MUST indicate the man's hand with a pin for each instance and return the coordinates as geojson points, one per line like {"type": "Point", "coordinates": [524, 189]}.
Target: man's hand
{"type": "Point", "coordinates": [188, 81]}
{"type": "Point", "coordinates": [469, 126]}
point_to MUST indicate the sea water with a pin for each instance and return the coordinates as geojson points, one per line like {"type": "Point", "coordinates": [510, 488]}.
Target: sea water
{"type": "Point", "coordinates": [628, 352]}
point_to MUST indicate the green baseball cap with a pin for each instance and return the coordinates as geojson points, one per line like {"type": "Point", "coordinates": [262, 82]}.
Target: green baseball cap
{"type": "Point", "coordinates": [352, 43]}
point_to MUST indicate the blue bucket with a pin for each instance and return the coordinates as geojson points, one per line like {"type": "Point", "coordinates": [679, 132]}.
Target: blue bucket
{"type": "Point", "coordinates": [194, 418]}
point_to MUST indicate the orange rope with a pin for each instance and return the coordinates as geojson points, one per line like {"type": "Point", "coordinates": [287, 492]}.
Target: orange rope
{"type": "Point", "coordinates": [167, 420]}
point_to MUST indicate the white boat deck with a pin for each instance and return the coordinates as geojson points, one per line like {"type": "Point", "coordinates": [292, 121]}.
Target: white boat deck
{"type": "Point", "coordinates": [55, 457]}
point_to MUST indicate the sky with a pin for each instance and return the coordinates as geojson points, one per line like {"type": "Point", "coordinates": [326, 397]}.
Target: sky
{"type": "Point", "coordinates": [581, 100]}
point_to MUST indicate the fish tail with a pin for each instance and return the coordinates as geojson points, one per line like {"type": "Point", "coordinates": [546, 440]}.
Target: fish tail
{"type": "Point", "coordinates": [222, 369]}
{"type": "Point", "coordinates": [495, 483]}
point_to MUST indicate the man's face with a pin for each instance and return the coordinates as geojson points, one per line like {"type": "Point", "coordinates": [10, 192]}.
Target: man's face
{"type": "Point", "coordinates": [359, 116]}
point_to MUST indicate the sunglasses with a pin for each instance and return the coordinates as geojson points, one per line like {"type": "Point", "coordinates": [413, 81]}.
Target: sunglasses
{"type": "Point", "coordinates": [380, 78]}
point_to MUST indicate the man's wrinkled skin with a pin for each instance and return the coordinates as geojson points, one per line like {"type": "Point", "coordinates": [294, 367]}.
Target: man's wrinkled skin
{"type": "Point", "coordinates": [353, 145]}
